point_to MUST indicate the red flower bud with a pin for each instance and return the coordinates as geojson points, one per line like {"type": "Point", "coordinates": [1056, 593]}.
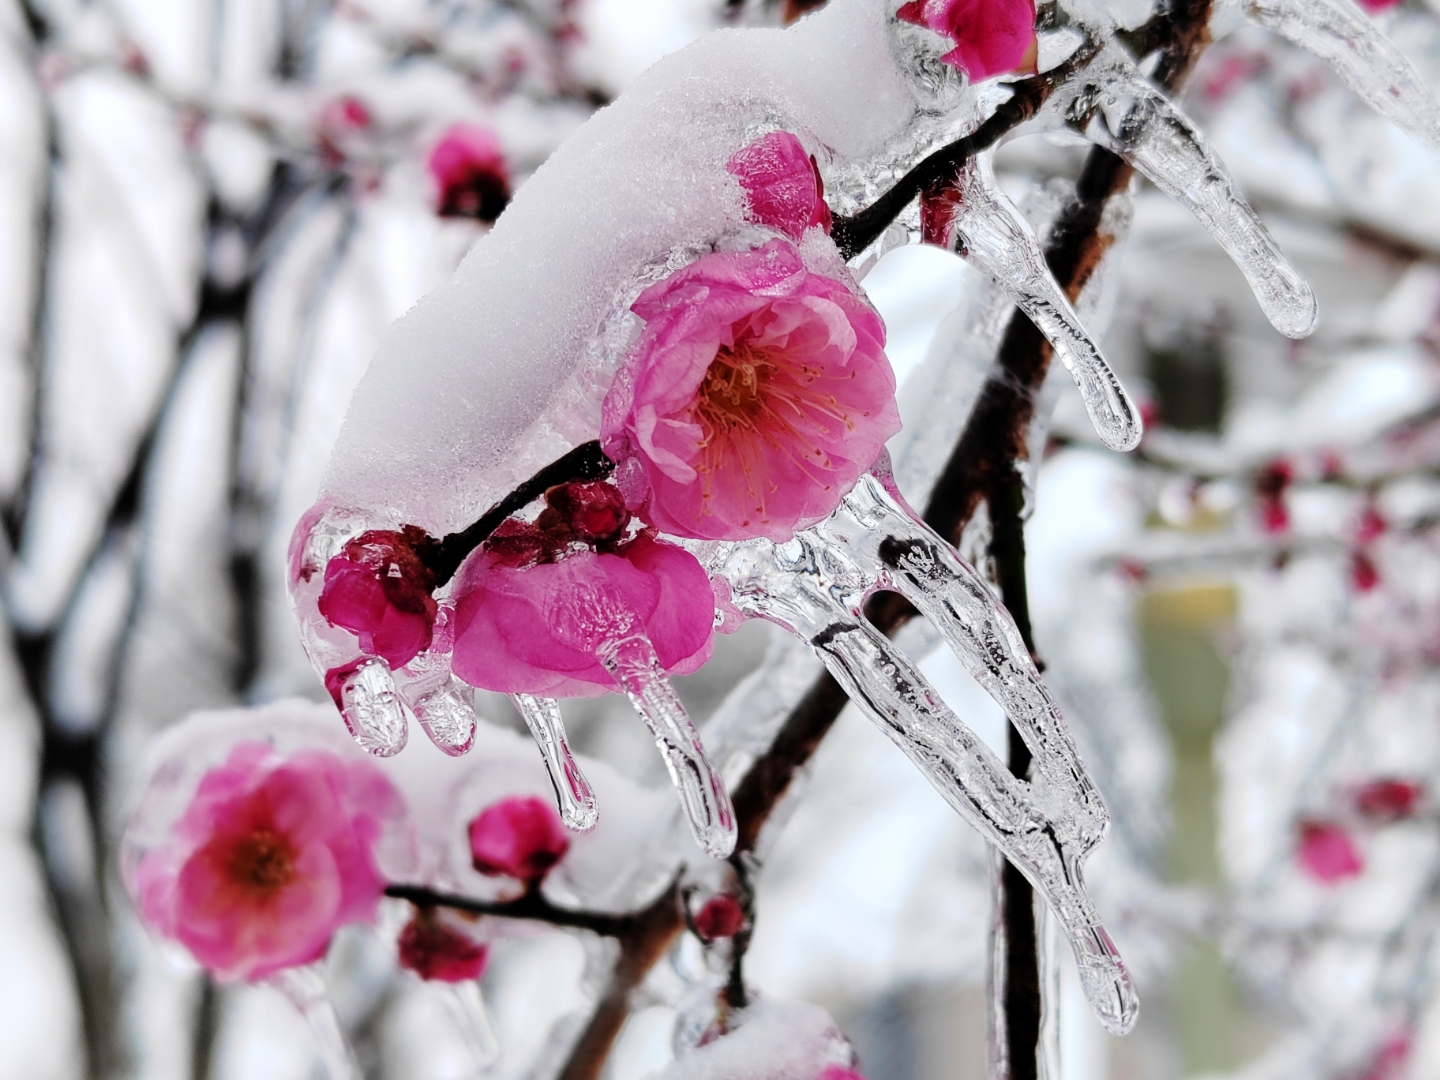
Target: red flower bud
{"type": "Point", "coordinates": [519, 837]}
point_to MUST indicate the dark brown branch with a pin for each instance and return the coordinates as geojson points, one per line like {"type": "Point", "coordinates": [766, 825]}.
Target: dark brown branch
{"type": "Point", "coordinates": [532, 905]}
{"type": "Point", "coordinates": [586, 462]}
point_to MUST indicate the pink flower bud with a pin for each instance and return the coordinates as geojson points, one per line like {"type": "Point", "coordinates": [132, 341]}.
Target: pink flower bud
{"type": "Point", "coordinates": [1327, 853]}
{"type": "Point", "coordinates": [991, 36]}
{"type": "Point", "coordinates": [1363, 573]}
{"type": "Point", "coordinates": [594, 512]}
{"type": "Point", "coordinates": [782, 184]}
{"type": "Point", "coordinates": [719, 917]}
{"type": "Point", "coordinates": [519, 837]}
{"type": "Point", "coordinates": [470, 175]}
{"type": "Point", "coordinates": [1388, 799]}
{"type": "Point", "coordinates": [434, 949]}
{"type": "Point", "coordinates": [378, 588]}
{"type": "Point", "coordinates": [1270, 486]}
{"type": "Point", "coordinates": [756, 396]}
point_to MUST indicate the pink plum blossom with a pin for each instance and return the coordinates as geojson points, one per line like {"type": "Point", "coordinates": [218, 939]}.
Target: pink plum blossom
{"type": "Point", "coordinates": [1327, 853]}
{"type": "Point", "coordinates": [470, 175]}
{"type": "Point", "coordinates": [271, 857]}
{"type": "Point", "coordinates": [436, 950]}
{"type": "Point", "coordinates": [519, 837]}
{"type": "Point", "coordinates": [378, 588]}
{"type": "Point", "coordinates": [782, 184]}
{"type": "Point", "coordinates": [756, 395]}
{"type": "Point", "coordinates": [528, 625]}
{"type": "Point", "coordinates": [991, 36]}
{"type": "Point", "coordinates": [839, 1072]}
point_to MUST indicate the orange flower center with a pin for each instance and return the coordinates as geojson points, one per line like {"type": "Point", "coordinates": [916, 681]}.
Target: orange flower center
{"type": "Point", "coordinates": [262, 862]}
{"type": "Point", "coordinates": [732, 395]}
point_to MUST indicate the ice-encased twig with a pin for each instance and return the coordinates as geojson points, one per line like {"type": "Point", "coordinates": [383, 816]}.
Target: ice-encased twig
{"type": "Point", "coordinates": [702, 792]}
{"type": "Point", "coordinates": [1115, 107]}
{"type": "Point", "coordinates": [467, 1005]}
{"type": "Point", "coordinates": [814, 586]}
{"type": "Point", "coordinates": [372, 709]}
{"type": "Point", "coordinates": [996, 239]}
{"type": "Point", "coordinates": [1343, 36]}
{"type": "Point", "coordinates": [305, 989]}
{"type": "Point", "coordinates": [573, 794]}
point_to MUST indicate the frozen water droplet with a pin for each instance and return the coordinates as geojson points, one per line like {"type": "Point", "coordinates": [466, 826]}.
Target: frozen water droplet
{"type": "Point", "coordinates": [447, 717]}
{"type": "Point", "coordinates": [997, 240]}
{"type": "Point", "coordinates": [573, 794]}
{"type": "Point", "coordinates": [1131, 118]}
{"type": "Point", "coordinates": [1342, 35]}
{"type": "Point", "coordinates": [372, 709]}
{"type": "Point", "coordinates": [467, 1005]}
{"type": "Point", "coordinates": [702, 793]}
{"type": "Point", "coordinates": [305, 989]}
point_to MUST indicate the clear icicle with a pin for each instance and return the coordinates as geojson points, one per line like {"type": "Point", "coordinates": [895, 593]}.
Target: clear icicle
{"type": "Point", "coordinates": [305, 989]}
{"type": "Point", "coordinates": [373, 710]}
{"type": "Point", "coordinates": [447, 717]}
{"type": "Point", "coordinates": [1122, 112]}
{"type": "Point", "coordinates": [1342, 35]}
{"type": "Point", "coordinates": [635, 666]}
{"type": "Point", "coordinates": [996, 239]}
{"type": "Point", "coordinates": [573, 794]}
{"type": "Point", "coordinates": [814, 586]}
{"type": "Point", "coordinates": [467, 1005]}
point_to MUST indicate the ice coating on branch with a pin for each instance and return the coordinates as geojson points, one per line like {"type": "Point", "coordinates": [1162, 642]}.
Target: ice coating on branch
{"type": "Point", "coordinates": [1342, 35]}
{"type": "Point", "coordinates": [1119, 110]}
{"type": "Point", "coordinates": [815, 586]}
{"type": "Point", "coordinates": [994, 237]}
{"type": "Point", "coordinates": [500, 357]}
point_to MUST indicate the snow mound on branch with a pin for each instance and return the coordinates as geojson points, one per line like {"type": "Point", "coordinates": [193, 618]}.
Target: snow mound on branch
{"type": "Point", "coordinates": [773, 1040]}
{"type": "Point", "coordinates": [499, 371]}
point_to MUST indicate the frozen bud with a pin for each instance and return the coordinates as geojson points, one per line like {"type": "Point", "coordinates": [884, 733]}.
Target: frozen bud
{"type": "Point", "coordinates": [542, 628]}
{"type": "Point", "coordinates": [782, 183]}
{"type": "Point", "coordinates": [1388, 799]}
{"type": "Point", "coordinates": [595, 512]}
{"type": "Point", "coordinates": [519, 837]}
{"type": "Point", "coordinates": [346, 112]}
{"type": "Point", "coordinates": [435, 949]}
{"type": "Point", "coordinates": [1270, 487]}
{"type": "Point", "coordinates": [271, 857]}
{"type": "Point", "coordinates": [470, 175]}
{"type": "Point", "coordinates": [756, 396]}
{"type": "Point", "coordinates": [378, 588]}
{"type": "Point", "coordinates": [991, 36]}
{"type": "Point", "coordinates": [1363, 573]}
{"type": "Point", "coordinates": [1327, 853]}
{"type": "Point", "coordinates": [719, 917]}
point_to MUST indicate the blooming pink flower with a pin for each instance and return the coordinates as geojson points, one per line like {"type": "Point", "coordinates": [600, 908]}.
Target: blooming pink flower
{"type": "Point", "coordinates": [1388, 799]}
{"type": "Point", "coordinates": [434, 949]}
{"type": "Point", "coordinates": [271, 857]}
{"type": "Point", "coordinates": [991, 36]}
{"type": "Point", "coordinates": [469, 171]}
{"type": "Point", "coordinates": [782, 184]}
{"type": "Point", "coordinates": [756, 395]}
{"type": "Point", "coordinates": [1327, 853]}
{"type": "Point", "coordinates": [538, 627]}
{"type": "Point", "coordinates": [519, 837]}
{"type": "Point", "coordinates": [719, 917]}
{"type": "Point", "coordinates": [378, 588]}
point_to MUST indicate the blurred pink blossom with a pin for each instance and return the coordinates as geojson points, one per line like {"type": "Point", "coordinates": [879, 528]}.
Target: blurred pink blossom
{"type": "Point", "coordinates": [719, 917]}
{"type": "Point", "coordinates": [470, 174]}
{"type": "Point", "coordinates": [1388, 799]}
{"type": "Point", "coordinates": [272, 856]}
{"type": "Point", "coordinates": [538, 627]}
{"type": "Point", "coordinates": [1327, 853]}
{"type": "Point", "coordinates": [378, 588]}
{"type": "Point", "coordinates": [991, 36]}
{"type": "Point", "coordinates": [756, 395]}
{"type": "Point", "coordinates": [434, 949]}
{"type": "Point", "coordinates": [782, 184]}
{"type": "Point", "coordinates": [519, 837]}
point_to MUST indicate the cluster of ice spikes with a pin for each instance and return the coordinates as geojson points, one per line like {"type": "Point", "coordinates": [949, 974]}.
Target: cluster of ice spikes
{"type": "Point", "coordinates": [701, 326]}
